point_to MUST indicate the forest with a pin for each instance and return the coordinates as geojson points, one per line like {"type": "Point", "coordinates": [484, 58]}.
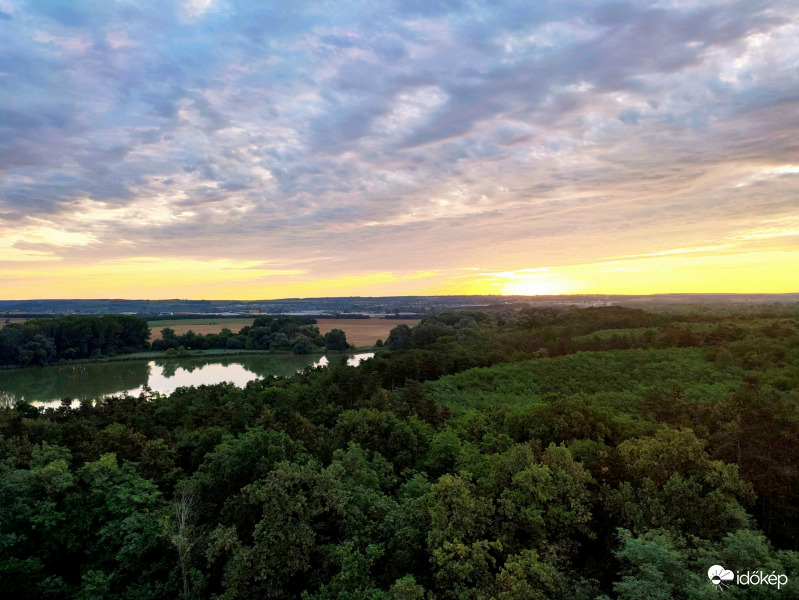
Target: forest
{"type": "Point", "coordinates": [277, 333]}
{"type": "Point", "coordinates": [40, 342]}
{"type": "Point", "coordinates": [548, 453]}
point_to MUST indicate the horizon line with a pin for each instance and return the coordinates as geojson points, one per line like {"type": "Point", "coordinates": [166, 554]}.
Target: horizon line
{"type": "Point", "coordinates": [291, 298]}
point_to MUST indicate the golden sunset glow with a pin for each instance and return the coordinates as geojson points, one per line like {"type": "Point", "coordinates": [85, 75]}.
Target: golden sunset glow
{"type": "Point", "coordinates": [536, 282]}
{"type": "Point", "coordinates": [148, 277]}
{"type": "Point", "coordinates": [768, 272]}
{"type": "Point", "coordinates": [142, 277]}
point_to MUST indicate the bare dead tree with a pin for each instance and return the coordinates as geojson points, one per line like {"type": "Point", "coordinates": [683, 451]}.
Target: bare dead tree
{"type": "Point", "coordinates": [184, 534]}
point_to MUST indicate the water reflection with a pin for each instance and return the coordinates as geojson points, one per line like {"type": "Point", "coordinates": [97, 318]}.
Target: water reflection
{"type": "Point", "coordinates": [95, 380]}
{"type": "Point", "coordinates": [49, 384]}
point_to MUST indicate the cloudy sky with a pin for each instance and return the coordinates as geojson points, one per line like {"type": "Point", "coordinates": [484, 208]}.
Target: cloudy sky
{"type": "Point", "coordinates": [243, 149]}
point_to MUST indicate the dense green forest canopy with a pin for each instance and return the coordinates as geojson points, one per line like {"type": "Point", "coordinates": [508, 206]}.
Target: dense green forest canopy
{"type": "Point", "coordinates": [45, 341]}
{"type": "Point", "coordinates": [542, 454]}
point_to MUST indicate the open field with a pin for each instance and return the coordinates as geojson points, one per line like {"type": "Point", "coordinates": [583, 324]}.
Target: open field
{"type": "Point", "coordinates": [363, 332]}
{"type": "Point", "coordinates": [209, 325]}
{"type": "Point", "coordinates": [360, 332]}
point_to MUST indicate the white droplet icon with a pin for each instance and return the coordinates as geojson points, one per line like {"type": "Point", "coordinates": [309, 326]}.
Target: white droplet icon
{"type": "Point", "coordinates": [718, 574]}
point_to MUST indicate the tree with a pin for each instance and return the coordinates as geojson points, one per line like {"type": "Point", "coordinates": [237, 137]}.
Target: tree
{"type": "Point", "coordinates": [39, 351]}
{"type": "Point", "coordinates": [400, 337]}
{"type": "Point", "coordinates": [280, 341]}
{"type": "Point", "coordinates": [183, 534]}
{"type": "Point", "coordinates": [406, 588]}
{"type": "Point", "coordinates": [302, 345]}
{"type": "Point", "coordinates": [653, 568]}
{"type": "Point", "coordinates": [673, 484]}
{"type": "Point", "coordinates": [336, 339]}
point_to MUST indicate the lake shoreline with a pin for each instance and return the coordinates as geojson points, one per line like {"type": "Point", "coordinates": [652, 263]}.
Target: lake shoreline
{"type": "Point", "coordinates": [211, 353]}
{"type": "Point", "coordinates": [99, 379]}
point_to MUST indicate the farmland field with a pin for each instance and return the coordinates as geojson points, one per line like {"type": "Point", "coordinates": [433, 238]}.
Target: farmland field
{"type": "Point", "coordinates": [363, 332]}
{"type": "Point", "coordinates": [209, 325]}
{"type": "Point", "coordinates": [360, 332]}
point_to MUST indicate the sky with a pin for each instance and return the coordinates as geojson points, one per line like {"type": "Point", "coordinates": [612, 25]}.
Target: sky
{"type": "Point", "coordinates": [238, 149]}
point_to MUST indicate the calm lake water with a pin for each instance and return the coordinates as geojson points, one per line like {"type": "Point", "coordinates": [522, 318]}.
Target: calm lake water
{"type": "Point", "coordinates": [47, 385]}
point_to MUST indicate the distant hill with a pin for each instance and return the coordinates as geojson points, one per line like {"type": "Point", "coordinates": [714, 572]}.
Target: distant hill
{"type": "Point", "coordinates": [385, 305]}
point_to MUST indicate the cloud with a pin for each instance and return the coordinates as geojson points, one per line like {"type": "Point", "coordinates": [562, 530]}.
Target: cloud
{"type": "Point", "coordinates": [396, 137]}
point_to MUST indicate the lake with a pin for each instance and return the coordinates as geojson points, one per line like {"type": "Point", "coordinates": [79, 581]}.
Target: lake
{"type": "Point", "coordinates": [47, 385]}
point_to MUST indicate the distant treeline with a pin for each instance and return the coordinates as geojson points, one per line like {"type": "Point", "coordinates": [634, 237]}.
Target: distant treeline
{"type": "Point", "coordinates": [45, 341]}
{"type": "Point", "coordinates": [297, 334]}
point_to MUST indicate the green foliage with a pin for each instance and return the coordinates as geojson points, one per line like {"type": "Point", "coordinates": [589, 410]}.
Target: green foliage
{"type": "Point", "coordinates": [400, 337]}
{"type": "Point", "coordinates": [434, 471]}
{"type": "Point", "coordinates": [336, 339]}
{"type": "Point", "coordinates": [655, 568]}
{"type": "Point", "coordinates": [620, 378]}
{"type": "Point", "coordinates": [80, 530]}
{"type": "Point", "coordinates": [660, 564]}
{"type": "Point", "coordinates": [302, 345]}
{"type": "Point", "coordinates": [45, 341]}
{"type": "Point", "coordinates": [278, 333]}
